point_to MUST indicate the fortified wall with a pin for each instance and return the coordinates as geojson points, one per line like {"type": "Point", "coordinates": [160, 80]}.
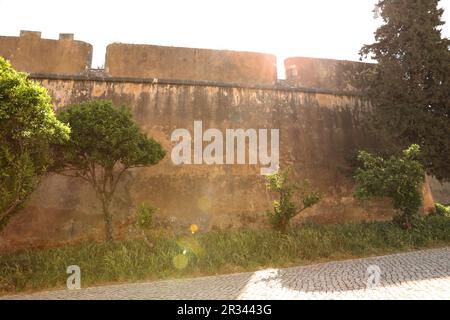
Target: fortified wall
{"type": "Point", "coordinates": [169, 88]}
{"type": "Point", "coordinates": [30, 53]}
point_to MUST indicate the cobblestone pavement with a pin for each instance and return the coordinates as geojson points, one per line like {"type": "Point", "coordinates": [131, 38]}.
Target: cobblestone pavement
{"type": "Point", "coordinates": [415, 275]}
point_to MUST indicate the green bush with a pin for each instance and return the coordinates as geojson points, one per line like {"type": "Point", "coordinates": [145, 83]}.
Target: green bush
{"type": "Point", "coordinates": [146, 216]}
{"type": "Point", "coordinates": [285, 207]}
{"type": "Point", "coordinates": [443, 210]}
{"type": "Point", "coordinates": [28, 129]}
{"type": "Point", "coordinates": [399, 177]}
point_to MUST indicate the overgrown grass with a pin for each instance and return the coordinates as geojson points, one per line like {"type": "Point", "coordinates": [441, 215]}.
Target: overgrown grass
{"type": "Point", "coordinates": [213, 252]}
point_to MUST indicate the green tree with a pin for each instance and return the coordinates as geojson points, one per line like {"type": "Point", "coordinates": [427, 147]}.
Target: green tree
{"type": "Point", "coordinates": [28, 127]}
{"type": "Point", "coordinates": [400, 177]}
{"type": "Point", "coordinates": [105, 142]}
{"type": "Point", "coordinates": [409, 87]}
{"type": "Point", "coordinates": [292, 199]}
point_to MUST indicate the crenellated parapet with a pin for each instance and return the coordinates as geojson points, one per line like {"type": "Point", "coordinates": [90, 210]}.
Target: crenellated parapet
{"type": "Point", "coordinates": [66, 56]}
{"type": "Point", "coordinates": [30, 53]}
{"type": "Point", "coordinates": [321, 73]}
{"type": "Point", "coordinates": [148, 61]}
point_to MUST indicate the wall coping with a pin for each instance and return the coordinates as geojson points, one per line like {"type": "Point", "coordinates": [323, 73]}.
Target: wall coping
{"type": "Point", "coordinates": [281, 85]}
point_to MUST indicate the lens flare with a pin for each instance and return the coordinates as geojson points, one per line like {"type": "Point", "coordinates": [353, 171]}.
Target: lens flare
{"type": "Point", "coordinates": [190, 245]}
{"type": "Point", "coordinates": [180, 261]}
{"type": "Point", "coordinates": [204, 204]}
{"type": "Point", "coordinates": [193, 228]}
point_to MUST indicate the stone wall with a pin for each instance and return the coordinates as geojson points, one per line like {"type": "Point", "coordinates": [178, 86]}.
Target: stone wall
{"type": "Point", "coordinates": [321, 73]}
{"type": "Point", "coordinates": [441, 191]}
{"type": "Point", "coordinates": [147, 61]}
{"type": "Point", "coordinates": [169, 88]}
{"type": "Point", "coordinates": [318, 132]}
{"type": "Point", "coordinates": [30, 53]}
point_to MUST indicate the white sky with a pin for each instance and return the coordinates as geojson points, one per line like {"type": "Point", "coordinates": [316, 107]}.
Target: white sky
{"type": "Point", "coordinates": [312, 28]}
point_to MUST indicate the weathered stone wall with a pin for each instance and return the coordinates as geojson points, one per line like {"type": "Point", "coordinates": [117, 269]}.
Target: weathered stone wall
{"type": "Point", "coordinates": [147, 61]}
{"type": "Point", "coordinates": [321, 73]}
{"type": "Point", "coordinates": [30, 53]}
{"type": "Point", "coordinates": [318, 132]}
{"type": "Point", "coordinates": [169, 88]}
{"type": "Point", "coordinates": [441, 191]}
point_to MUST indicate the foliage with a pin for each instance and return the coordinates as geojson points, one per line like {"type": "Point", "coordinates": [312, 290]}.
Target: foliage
{"type": "Point", "coordinates": [398, 177]}
{"type": "Point", "coordinates": [443, 210]}
{"type": "Point", "coordinates": [146, 216]}
{"type": "Point", "coordinates": [409, 87]}
{"type": "Point", "coordinates": [213, 253]}
{"type": "Point", "coordinates": [104, 144]}
{"type": "Point", "coordinates": [285, 207]}
{"type": "Point", "coordinates": [28, 127]}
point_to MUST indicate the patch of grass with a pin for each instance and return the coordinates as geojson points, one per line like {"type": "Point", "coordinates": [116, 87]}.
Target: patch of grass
{"type": "Point", "coordinates": [167, 256]}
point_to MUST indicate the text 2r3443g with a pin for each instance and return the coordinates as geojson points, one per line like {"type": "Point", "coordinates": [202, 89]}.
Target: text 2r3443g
{"type": "Point", "coordinates": [230, 309]}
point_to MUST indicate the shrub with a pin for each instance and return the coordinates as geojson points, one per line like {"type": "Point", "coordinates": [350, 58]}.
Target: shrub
{"type": "Point", "coordinates": [146, 216]}
{"type": "Point", "coordinates": [285, 207]}
{"type": "Point", "coordinates": [28, 128]}
{"type": "Point", "coordinates": [443, 210]}
{"type": "Point", "coordinates": [399, 177]}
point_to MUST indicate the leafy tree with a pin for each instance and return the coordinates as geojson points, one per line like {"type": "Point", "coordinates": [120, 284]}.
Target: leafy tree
{"type": "Point", "coordinates": [409, 87]}
{"type": "Point", "coordinates": [285, 207]}
{"type": "Point", "coordinates": [28, 127]}
{"type": "Point", "coordinates": [105, 142]}
{"type": "Point", "coordinates": [400, 177]}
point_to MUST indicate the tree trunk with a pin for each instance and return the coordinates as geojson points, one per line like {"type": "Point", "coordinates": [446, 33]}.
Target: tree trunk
{"type": "Point", "coordinates": [108, 220]}
{"type": "Point", "coordinates": [4, 216]}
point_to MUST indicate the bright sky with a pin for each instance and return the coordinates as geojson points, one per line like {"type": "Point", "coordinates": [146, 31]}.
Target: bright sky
{"type": "Point", "coordinates": [311, 28]}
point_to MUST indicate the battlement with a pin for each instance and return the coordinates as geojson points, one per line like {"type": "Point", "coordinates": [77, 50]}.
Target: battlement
{"type": "Point", "coordinates": [130, 60]}
{"type": "Point", "coordinates": [321, 73]}
{"type": "Point", "coordinates": [30, 53]}
{"type": "Point", "coordinates": [66, 56]}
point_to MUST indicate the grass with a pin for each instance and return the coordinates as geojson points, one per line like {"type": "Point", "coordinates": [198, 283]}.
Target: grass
{"type": "Point", "coordinates": [170, 256]}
